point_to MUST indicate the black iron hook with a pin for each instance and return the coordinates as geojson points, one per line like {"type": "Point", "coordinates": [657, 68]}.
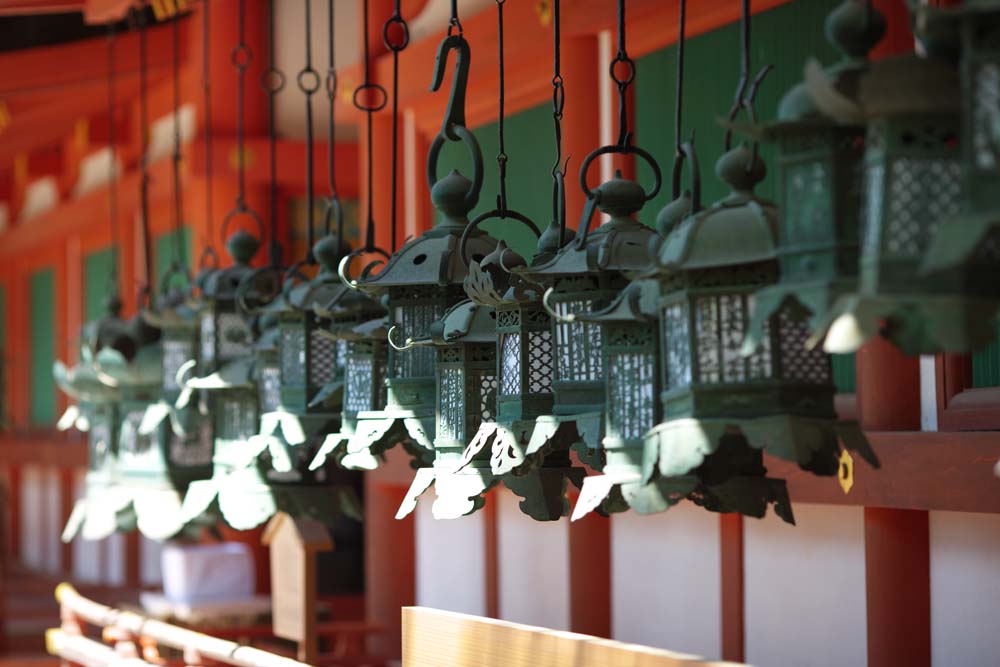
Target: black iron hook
{"type": "Point", "coordinates": [455, 111]}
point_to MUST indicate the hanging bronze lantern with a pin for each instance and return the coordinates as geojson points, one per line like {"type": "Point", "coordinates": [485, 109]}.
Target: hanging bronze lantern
{"type": "Point", "coordinates": [466, 388]}
{"type": "Point", "coordinates": [819, 164]}
{"type": "Point", "coordinates": [419, 283]}
{"type": "Point", "coordinates": [911, 184]}
{"type": "Point", "coordinates": [966, 248]}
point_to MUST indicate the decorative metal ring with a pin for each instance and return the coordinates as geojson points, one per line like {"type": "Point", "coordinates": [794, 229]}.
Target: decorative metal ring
{"type": "Point", "coordinates": [241, 56]}
{"type": "Point", "coordinates": [623, 150]}
{"type": "Point", "coordinates": [688, 155]}
{"type": "Point", "coordinates": [238, 211]}
{"type": "Point", "coordinates": [395, 19]}
{"type": "Point", "coordinates": [272, 80]}
{"type": "Point", "coordinates": [619, 60]}
{"type": "Point", "coordinates": [383, 98]}
{"type": "Point", "coordinates": [469, 139]}
{"type": "Point", "coordinates": [206, 253]}
{"type": "Point", "coordinates": [308, 80]}
{"type": "Point", "coordinates": [330, 83]}
{"type": "Point", "coordinates": [491, 215]}
{"type": "Point", "coordinates": [243, 289]}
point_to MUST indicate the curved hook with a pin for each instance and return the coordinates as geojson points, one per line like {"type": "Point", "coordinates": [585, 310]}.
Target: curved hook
{"type": "Point", "coordinates": [454, 114]}
{"type": "Point", "coordinates": [687, 155]}
{"type": "Point", "coordinates": [490, 215]}
{"type": "Point", "coordinates": [407, 344]}
{"type": "Point", "coordinates": [353, 283]}
{"type": "Point", "coordinates": [566, 319]}
{"type": "Point", "coordinates": [184, 372]}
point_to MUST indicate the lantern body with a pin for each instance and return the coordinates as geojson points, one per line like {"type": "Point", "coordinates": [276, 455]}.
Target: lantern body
{"type": "Point", "coordinates": [410, 379]}
{"type": "Point", "coordinates": [225, 334]}
{"type": "Point", "coordinates": [309, 361]}
{"type": "Point", "coordinates": [466, 395]}
{"type": "Point", "coordinates": [632, 382]}
{"type": "Point", "coordinates": [524, 361]}
{"type": "Point", "coordinates": [364, 377]}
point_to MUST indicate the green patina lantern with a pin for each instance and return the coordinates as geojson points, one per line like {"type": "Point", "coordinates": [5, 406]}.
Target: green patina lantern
{"type": "Point", "coordinates": [224, 332]}
{"type": "Point", "coordinates": [819, 168]}
{"type": "Point", "coordinates": [965, 249]}
{"type": "Point", "coordinates": [418, 284]}
{"type": "Point", "coordinates": [466, 387]}
{"type": "Point", "coordinates": [780, 396]}
{"type": "Point", "coordinates": [911, 184]}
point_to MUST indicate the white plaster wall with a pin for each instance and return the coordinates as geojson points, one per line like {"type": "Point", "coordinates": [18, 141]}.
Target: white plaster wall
{"type": "Point", "coordinates": [805, 588]}
{"type": "Point", "coordinates": [86, 553]}
{"type": "Point", "coordinates": [665, 580]}
{"type": "Point", "coordinates": [32, 517]}
{"type": "Point", "coordinates": [457, 548]}
{"type": "Point", "coordinates": [149, 561]}
{"type": "Point", "coordinates": [533, 563]}
{"type": "Point", "coordinates": [52, 526]}
{"type": "Point", "coordinates": [114, 560]}
{"type": "Point", "coordinates": [965, 589]}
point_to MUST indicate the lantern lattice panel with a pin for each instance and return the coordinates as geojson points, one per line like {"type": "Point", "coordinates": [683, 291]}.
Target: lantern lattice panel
{"type": "Point", "coordinates": [631, 399]}
{"type": "Point", "coordinates": [270, 388]}
{"type": "Point", "coordinates": [720, 326]}
{"type": "Point", "coordinates": [194, 448]}
{"type": "Point", "coordinates": [578, 345]}
{"type": "Point", "coordinates": [293, 355]}
{"type": "Point", "coordinates": [797, 362]}
{"type": "Point", "coordinates": [510, 364]}
{"type": "Point", "coordinates": [487, 390]}
{"type": "Point", "coordinates": [451, 404]}
{"type": "Point", "coordinates": [415, 321]}
{"type": "Point", "coordinates": [676, 350]}
{"type": "Point", "coordinates": [923, 192]}
{"type": "Point", "coordinates": [132, 442]}
{"type": "Point", "coordinates": [358, 394]}
{"type": "Point", "coordinates": [985, 114]}
{"type": "Point", "coordinates": [805, 183]}
{"type": "Point", "coordinates": [238, 420]}
{"type": "Point", "coordinates": [234, 337]}
{"type": "Point", "coordinates": [322, 358]}
{"type": "Point", "coordinates": [540, 362]}
{"type": "Point", "coordinates": [175, 354]}
{"type": "Point", "coordinates": [207, 338]}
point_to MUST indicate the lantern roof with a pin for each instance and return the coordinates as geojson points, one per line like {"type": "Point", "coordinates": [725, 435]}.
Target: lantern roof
{"type": "Point", "coordinates": [221, 284]}
{"type": "Point", "coordinates": [465, 322]}
{"type": "Point", "coordinates": [618, 245]}
{"type": "Point", "coordinates": [639, 302]}
{"type": "Point", "coordinates": [741, 228]}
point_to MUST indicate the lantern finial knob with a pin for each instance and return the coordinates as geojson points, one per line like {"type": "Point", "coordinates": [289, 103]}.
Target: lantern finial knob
{"type": "Point", "coordinates": [449, 195]}
{"type": "Point", "coordinates": [620, 197]}
{"type": "Point", "coordinates": [854, 28]}
{"type": "Point", "coordinates": [329, 250]}
{"type": "Point", "coordinates": [671, 214]}
{"type": "Point", "coordinates": [740, 168]}
{"type": "Point", "coordinates": [113, 305]}
{"type": "Point", "coordinates": [242, 246]}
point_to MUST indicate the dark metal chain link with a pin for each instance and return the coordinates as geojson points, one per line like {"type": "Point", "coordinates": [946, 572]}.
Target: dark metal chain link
{"type": "Point", "coordinates": [113, 164]}
{"type": "Point", "coordinates": [558, 104]}
{"type": "Point", "coordinates": [144, 158]}
{"type": "Point", "coordinates": [206, 87]}
{"type": "Point", "coordinates": [368, 107]}
{"type": "Point", "coordinates": [395, 47]}
{"type": "Point", "coordinates": [502, 152]}
{"type": "Point", "coordinates": [309, 82]}
{"type": "Point", "coordinates": [177, 155]}
{"type": "Point", "coordinates": [272, 81]}
{"type": "Point", "coordinates": [241, 57]}
{"type": "Point", "coordinates": [453, 23]}
{"type": "Point", "coordinates": [622, 59]}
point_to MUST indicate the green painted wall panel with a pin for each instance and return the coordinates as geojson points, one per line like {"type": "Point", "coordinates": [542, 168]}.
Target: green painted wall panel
{"type": "Point", "coordinates": [531, 153]}
{"type": "Point", "coordinates": [42, 320]}
{"type": "Point", "coordinates": [986, 365]}
{"type": "Point", "coordinates": [97, 267]}
{"type": "Point", "coordinates": [844, 373]}
{"type": "Point", "coordinates": [784, 37]}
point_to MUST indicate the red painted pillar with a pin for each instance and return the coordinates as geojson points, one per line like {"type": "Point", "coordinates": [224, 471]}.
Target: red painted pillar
{"type": "Point", "coordinates": [390, 555]}
{"type": "Point", "coordinates": [732, 585]}
{"type": "Point", "coordinates": [590, 575]}
{"type": "Point", "coordinates": [67, 498]}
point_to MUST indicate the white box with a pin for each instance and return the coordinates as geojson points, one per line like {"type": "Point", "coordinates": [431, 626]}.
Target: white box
{"type": "Point", "coordinates": [207, 572]}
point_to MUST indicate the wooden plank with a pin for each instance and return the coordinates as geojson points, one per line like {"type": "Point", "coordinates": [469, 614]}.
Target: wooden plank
{"type": "Point", "coordinates": [432, 638]}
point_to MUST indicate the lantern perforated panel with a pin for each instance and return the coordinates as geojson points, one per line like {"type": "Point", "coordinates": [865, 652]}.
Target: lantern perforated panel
{"type": "Point", "coordinates": [237, 419]}
{"type": "Point", "coordinates": [131, 442]}
{"type": "Point", "coordinates": [676, 351]}
{"type": "Point", "coordinates": [207, 338]}
{"type": "Point", "coordinates": [720, 325]}
{"type": "Point", "coordinates": [451, 404]}
{"type": "Point", "coordinates": [631, 400]}
{"type": "Point", "coordinates": [175, 353]}
{"type": "Point", "coordinates": [362, 378]}
{"type": "Point", "coordinates": [270, 388]}
{"type": "Point", "coordinates": [234, 337]}
{"type": "Point", "coordinates": [322, 358]}
{"type": "Point", "coordinates": [100, 442]}
{"type": "Point", "coordinates": [798, 363]}
{"type": "Point", "coordinates": [805, 184]}
{"type": "Point", "coordinates": [540, 362]}
{"type": "Point", "coordinates": [578, 345]}
{"type": "Point", "coordinates": [487, 390]}
{"type": "Point", "coordinates": [986, 114]}
{"type": "Point", "coordinates": [414, 321]}
{"type": "Point", "coordinates": [194, 448]}
{"type": "Point", "coordinates": [293, 355]}
{"type": "Point", "coordinates": [923, 192]}
{"type": "Point", "coordinates": [510, 364]}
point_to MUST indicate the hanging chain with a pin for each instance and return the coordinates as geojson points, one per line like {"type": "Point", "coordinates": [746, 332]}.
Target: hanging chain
{"type": "Point", "coordinates": [395, 48]}
{"type": "Point", "coordinates": [369, 108]}
{"type": "Point", "coordinates": [113, 165]}
{"type": "Point", "coordinates": [501, 153]}
{"type": "Point", "coordinates": [241, 57]}
{"type": "Point", "coordinates": [206, 90]}
{"type": "Point", "coordinates": [331, 95]}
{"type": "Point", "coordinates": [622, 58]}
{"type": "Point", "coordinates": [558, 104]}
{"type": "Point", "coordinates": [309, 82]}
{"type": "Point", "coordinates": [453, 23]}
{"type": "Point", "coordinates": [746, 90]}
{"type": "Point", "coordinates": [679, 89]}
{"type": "Point", "coordinates": [144, 290]}
{"type": "Point", "coordinates": [177, 156]}
{"type": "Point", "coordinates": [273, 81]}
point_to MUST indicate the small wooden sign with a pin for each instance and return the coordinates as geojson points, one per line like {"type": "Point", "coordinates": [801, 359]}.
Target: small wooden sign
{"type": "Point", "coordinates": [294, 544]}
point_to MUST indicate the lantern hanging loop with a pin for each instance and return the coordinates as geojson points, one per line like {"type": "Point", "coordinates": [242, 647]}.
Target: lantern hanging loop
{"type": "Point", "coordinates": [493, 215]}
{"type": "Point", "coordinates": [684, 152]}
{"type": "Point", "coordinates": [209, 259]}
{"type": "Point", "coordinates": [113, 286]}
{"type": "Point", "coordinates": [746, 90]}
{"type": "Point", "coordinates": [272, 81]}
{"type": "Point", "coordinates": [395, 46]}
{"type": "Point", "coordinates": [369, 98]}
{"type": "Point", "coordinates": [177, 268]}
{"type": "Point", "coordinates": [334, 210]}
{"type": "Point", "coordinates": [453, 23]}
{"type": "Point", "coordinates": [241, 56]}
{"type": "Point", "coordinates": [501, 146]}
{"type": "Point", "coordinates": [558, 104]}
{"type": "Point", "coordinates": [453, 127]}
{"type": "Point", "coordinates": [308, 81]}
